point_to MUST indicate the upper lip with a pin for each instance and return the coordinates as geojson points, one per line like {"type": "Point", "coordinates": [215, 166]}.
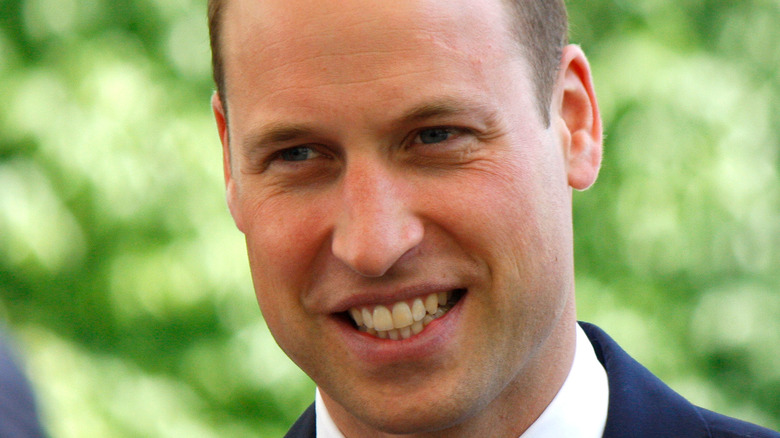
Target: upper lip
{"type": "Point", "coordinates": [387, 296]}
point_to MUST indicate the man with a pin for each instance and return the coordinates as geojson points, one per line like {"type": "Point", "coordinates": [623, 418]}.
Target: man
{"type": "Point", "coordinates": [402, 172]}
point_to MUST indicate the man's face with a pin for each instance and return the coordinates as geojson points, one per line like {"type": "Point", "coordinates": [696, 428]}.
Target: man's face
{"type": "Point", "coordinates": [388, 152]}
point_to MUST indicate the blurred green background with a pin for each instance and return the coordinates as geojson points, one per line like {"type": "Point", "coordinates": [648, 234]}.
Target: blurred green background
{"type": "Point", "coordinates": [126, 285]}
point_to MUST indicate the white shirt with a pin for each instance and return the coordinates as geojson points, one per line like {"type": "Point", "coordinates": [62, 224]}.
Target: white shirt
{"type": "Point", "coordinates": [579, 410]}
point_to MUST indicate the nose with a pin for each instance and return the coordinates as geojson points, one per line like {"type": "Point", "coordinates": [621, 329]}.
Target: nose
{"type": "Point", "coordinates": [377, 224]}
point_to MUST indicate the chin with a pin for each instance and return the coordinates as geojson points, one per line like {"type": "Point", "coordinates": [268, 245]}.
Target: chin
{"type": "Point", "coordinates": [415, 421]}
{"type": "Point", "coordinates": [417, 413]}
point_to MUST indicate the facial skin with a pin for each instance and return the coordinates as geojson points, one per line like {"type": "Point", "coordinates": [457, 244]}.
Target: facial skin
{"type": "Point", "coordinates": [378, 154]}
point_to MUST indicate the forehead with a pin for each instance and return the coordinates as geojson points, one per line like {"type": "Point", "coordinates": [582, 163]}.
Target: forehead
{"type": "Point", "coordinates": [313, 51]}
{"type": "Point", "coordinates": [312, 16]}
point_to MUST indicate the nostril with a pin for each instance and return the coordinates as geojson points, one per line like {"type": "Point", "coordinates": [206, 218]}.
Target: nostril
{"type": "Point", "coordinates": [370, 240]}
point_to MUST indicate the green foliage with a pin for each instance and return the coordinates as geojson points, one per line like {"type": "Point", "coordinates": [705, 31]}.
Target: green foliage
{"type": "Point", "coordinates": [125, 281]}
{"type": "Point", "coordinates": [677, 244]}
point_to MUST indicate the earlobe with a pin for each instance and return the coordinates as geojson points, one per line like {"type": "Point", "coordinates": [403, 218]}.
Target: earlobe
{"type": "Point", "coordinates": [579, 116]}
{"type": "Point", "coordinates": [230, 184]}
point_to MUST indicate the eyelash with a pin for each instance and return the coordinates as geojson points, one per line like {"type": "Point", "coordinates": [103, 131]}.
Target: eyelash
{"type": "Point", "coordinates": [452, 132]}
{"type": "Point", "coordinates": [280, 154]}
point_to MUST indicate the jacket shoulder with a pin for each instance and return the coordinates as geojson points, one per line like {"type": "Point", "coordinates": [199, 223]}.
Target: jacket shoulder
{"type": "Point", "coordinates": [640, 405]}
{"type": "Point", "coordinates": [721, 426]}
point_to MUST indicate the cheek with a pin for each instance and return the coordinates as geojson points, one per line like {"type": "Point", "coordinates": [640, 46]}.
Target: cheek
{"type": "Point", "coordinates": [514, 217]}
{"type": "Point", "coordinates": [282, 243]}
{"type": "Point", "coordinates": [283, 239]}
{"type": "Point", "coordinates": [499, 208]}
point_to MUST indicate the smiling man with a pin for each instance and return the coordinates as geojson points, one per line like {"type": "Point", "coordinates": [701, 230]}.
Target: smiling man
{"type": "Point", "coordinates": [403, 171]}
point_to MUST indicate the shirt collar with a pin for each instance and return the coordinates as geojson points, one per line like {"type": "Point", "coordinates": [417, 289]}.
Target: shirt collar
{"type": "Point", "coordinates": [326, 428]}
{"type": "Point", "coordinates": [579, 410]}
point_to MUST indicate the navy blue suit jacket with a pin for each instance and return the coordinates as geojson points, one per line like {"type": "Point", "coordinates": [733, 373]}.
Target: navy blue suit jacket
{"type": "Point", "coordinates": [18, 414]}
{"type": "Point", "coordinates": [640, 405]}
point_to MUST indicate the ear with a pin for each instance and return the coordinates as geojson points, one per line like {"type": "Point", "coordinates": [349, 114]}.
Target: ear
{"type": "Point", "coordinates": [231, 194]}
{"type": "Point", "coordinates": [576, 112]}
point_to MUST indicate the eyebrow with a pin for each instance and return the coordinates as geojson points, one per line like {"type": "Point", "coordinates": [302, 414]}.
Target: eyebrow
{"type": "Point", "coordinates": [448, 107]}
{"type": "Point", "coordinates": [275, 133]}
{"type": "Point", "coordinates": [283, 132]}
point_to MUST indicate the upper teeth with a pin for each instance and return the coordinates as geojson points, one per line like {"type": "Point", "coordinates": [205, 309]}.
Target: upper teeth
{"type": "Point", "coordinates": [402, 319]}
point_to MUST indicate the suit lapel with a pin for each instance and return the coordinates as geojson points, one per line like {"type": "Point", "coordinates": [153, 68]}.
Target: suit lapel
{"type": "Point", "coordinates": [639, 403]}
{"type": "Point", "coordinates": [305, 426]}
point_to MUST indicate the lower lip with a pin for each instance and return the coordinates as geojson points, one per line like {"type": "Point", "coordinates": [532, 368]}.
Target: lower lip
{"type": "Point", "coordinates": [377, 351]}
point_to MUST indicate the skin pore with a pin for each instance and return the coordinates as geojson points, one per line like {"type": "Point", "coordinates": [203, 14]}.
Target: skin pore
{"type": "Point", "coordinates": [383, 154]}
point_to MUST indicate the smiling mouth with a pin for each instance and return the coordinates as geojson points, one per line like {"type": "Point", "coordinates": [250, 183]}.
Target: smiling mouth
{"type": "Point", "coordinates": [404, 319]}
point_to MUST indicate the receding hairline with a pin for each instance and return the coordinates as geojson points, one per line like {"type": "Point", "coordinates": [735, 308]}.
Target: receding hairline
{"type": "Point", "coordinates": [540, 29]}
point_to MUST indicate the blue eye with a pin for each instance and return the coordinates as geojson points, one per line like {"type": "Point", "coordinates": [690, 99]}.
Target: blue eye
{"type": "Point", "coordinates": [434, 135]}
{"type": "Point", "coordinates": [298, 153]}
